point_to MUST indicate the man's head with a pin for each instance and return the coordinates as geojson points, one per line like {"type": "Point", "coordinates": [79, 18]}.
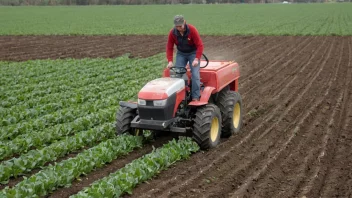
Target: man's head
{"type": "Point", "coordinates": [179, 22]}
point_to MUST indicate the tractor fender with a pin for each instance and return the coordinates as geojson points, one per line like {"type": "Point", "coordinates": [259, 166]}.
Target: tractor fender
{"type": "Point", "coordinates": [131, 105]}
{"type": "Point", "coordinates": [204, 97]}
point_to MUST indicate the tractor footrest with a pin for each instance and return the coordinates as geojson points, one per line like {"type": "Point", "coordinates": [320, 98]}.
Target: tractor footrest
{"type": "Point", "coordinates": [178, 129]}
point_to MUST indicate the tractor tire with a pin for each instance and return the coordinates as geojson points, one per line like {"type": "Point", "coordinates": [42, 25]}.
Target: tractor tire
{"type": "Point", "coordinates": [230, 104]}
{"type": "Point", "coordinates": [207, 126]}
{"type": "Point", "coordinates": [124, 118]}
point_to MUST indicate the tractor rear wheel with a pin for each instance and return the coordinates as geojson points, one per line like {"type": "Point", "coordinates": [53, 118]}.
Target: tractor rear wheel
{"type": "Point", "coordinates": [207, 126]}
{"type": "Point", "coordinates": [124, 118]}
{"type": "Point", "coordinates": [230, 104]}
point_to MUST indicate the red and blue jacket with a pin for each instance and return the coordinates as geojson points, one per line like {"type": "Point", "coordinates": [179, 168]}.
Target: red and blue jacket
{"type": "Point", "coordinates": [189, 42]}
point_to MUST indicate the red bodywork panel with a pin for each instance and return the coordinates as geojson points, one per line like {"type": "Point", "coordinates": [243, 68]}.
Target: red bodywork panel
{"type": "Point", "coordinates": [162, 88]}
{"type": "Point", "coordinates": [216, 76]}
{"type": "Point", "coordinates": [204, 97]}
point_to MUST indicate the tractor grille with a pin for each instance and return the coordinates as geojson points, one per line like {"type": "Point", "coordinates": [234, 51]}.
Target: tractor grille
{"type": "Point", "coordinates": [153, 113]}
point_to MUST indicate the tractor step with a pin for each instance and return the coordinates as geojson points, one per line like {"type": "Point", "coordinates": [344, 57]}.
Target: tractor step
{"type": "Point", "coordinates": [178, 129]}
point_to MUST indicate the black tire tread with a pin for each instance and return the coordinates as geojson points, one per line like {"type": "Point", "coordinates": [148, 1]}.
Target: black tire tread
{"type": "Point", "coordinates": [202, 125]}
{"type": "Point", "coordinates": [227, 99]}
{"type": "Point", "coordinates": [124, 118]}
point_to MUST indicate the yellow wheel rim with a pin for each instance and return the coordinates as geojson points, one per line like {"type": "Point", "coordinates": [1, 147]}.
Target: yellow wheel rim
{"type": "Point", "coordinates": [236, 115]}
{"type": "Point", "coordinates": [214, 129]}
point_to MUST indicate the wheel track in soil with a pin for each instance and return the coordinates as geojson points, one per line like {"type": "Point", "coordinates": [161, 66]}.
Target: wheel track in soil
{"type": "Point", "coordinates": [325, 124]}
{"type": "Point", "coordinates": [260, 74]}
{"type": "Point", "coordinates": [335, 154]}
{"type": "Point", "coordinates": [256, 68]}
{"type": "Point", "coordinates": [264, 132]}
{"type": "Point", "coordinates": [242, 59]}
{"type": "Point", "coordinates": [298, 149]}
{"type": "Point", "coordinates": [208, 167]}
{"type": "Point", "coordinates": [299, 97]}
{"type": "Point", "coordinates": [277, 60]}
{"type": "Point", "coordinates": [254, 57]}
{"type": "Point", "coordinates": [281, 87]}
{"type": "Point", "coordinates": [279, 72]}
{"type": "Point", "coordinates": [274, 177]}
{"type": "Point", "coordinates": [337, 182]}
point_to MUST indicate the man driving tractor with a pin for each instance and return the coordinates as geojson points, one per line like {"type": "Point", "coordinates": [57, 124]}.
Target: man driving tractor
{"type": "Point", "coordinates": [189, 49]}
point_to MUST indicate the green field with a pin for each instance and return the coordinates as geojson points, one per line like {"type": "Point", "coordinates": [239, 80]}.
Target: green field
{"type": "Point", "coordinates": [61, 106]}
{"type": "Point", "coordinates": [259, 19]}
{"type": "Point", "coordinates": [58, 117]}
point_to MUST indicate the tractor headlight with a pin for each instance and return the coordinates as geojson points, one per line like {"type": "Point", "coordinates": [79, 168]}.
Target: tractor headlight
{"type": "Point", "coordinates": [159, 103]}
{"type": "Point", "coordinates": [141, 102]}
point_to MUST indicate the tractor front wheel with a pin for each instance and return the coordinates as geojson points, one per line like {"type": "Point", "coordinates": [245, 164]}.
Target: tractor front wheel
{"type": "Point", "coordinates": [124, 118]}
{"type": "Point", "coordinates": [207, 126]}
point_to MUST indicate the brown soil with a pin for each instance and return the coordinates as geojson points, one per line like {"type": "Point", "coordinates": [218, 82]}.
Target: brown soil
{"type": "Point", "coordinates": [21, 48]}
{"type": "Point", "coordinates": [297, 132]}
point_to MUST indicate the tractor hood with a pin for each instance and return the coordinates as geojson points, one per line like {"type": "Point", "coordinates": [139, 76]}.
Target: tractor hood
{"type": "Point", "coordinates": [161, 88]}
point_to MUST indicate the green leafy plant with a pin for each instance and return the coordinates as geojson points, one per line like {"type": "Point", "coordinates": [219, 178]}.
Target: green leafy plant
{"type": "Point", "coordinates": [140, 170]}
{"type": "Point", "coordinates": [63, 173]}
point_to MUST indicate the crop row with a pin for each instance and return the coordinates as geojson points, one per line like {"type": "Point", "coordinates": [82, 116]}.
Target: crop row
{"type": "Point", "coordinates": [39, 72]}
{"type": "Point", "coordinates": [38, 138]}
{"type": "Point", "coordinates": [54, 102]}
{"type": "Point", "coordinates": [36, 158]}
{"type": "Point", "coordinates": [59, 117]}
{"type": "Point", "coordinates": [78, 81]}
{"type": "Point", "coordinates": [63, 173]}
{"type": "Point", "coordinates": [93, 76]}
{"type": "Point", "coordinates": [51, 102]}
{"type": "Point", "coordinates": [124, 180]}
{"type": "Point", "coordinates": [140, 170]}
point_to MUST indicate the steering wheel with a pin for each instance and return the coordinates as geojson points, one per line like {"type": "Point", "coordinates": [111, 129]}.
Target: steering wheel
{"type": "Point", "coordinates": [206, 59]}
{"type": "Point", "coordinates": [179, 70]}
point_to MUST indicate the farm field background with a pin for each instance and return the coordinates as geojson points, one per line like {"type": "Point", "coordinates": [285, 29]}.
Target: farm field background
{"type": "Point", "coordinates": [60, 94]}
{"type": "Point", "coordinates": [259, 19]}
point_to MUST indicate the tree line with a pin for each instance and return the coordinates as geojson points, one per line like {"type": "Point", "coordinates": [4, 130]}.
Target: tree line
{"type": "Point", "coordinates": [109, 2]}
{"type": "Point", "coordinates": [137, 2]}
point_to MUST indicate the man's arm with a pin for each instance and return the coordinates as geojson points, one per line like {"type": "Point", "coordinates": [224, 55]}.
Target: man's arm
{"type": "Point", "coordinates": [170, 47]}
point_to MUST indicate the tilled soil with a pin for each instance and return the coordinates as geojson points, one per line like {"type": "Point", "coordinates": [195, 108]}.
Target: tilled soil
{"type": "Point", "coordinates": [296, 140]}
{"type": "Point", "coordinates": [21, 48]}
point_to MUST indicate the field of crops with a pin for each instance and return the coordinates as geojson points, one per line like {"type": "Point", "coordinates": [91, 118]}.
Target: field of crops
{"type": "Point", "coordinates": [260, 19]}
{"type": "Point", "coordinates": [55, 107]}
{"type": "Point", "coordinates": [59, 97]}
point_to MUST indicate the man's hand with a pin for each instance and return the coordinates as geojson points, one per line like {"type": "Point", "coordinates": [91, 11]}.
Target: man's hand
{"type": "Point", "coordinates": [170, 64]}
{"type": "Point", "coordinates": [195, 62]}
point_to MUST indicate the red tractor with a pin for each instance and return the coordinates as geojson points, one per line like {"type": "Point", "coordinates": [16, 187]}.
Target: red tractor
{"type": "Point", "coordinates": [165, 105]}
